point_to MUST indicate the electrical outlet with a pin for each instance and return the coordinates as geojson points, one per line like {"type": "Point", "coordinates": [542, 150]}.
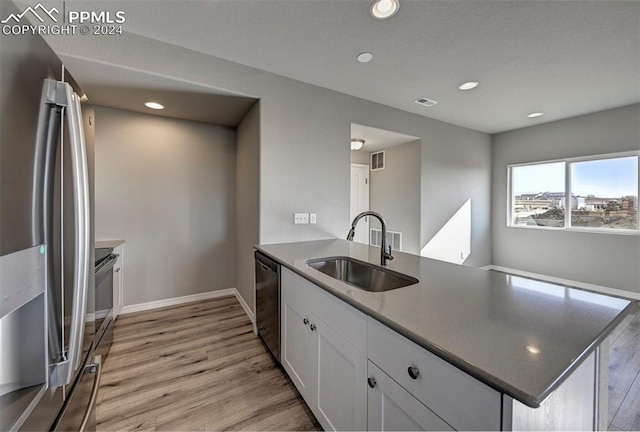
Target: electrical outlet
{"type": "Point", "coordinates": [300, 218]}
{"type": "Point", "coordinates": [312, 218]}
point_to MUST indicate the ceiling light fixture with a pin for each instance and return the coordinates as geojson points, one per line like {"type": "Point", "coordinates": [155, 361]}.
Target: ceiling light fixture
{"type": "Point", "coordinates": [533, 349]}
{"type": "Point", "coordinates": [535, 114]}
{"type": "Point", "coordinates": [468, 85]}
{"type": "Point", "coordinates": [365, 57]}
{"type": "Point", "coordinates": [383, 9]}
{"type": "Point", "coordinates": [154, 105]}
{"type": "Point", "coordinates": [356, 143]}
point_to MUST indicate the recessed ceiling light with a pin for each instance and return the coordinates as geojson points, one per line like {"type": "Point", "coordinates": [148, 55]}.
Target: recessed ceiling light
{"type": "Point", "coordinates": [383, 9]}
{"type": "Point", "coordinates": [468, 85]}
{"type": "Point", "coordinates": [154, 105]}
{"type": "Point", "coordinates": [365, 57]}
{"type": "Point", "coordinates": [356, 143]}
{"type": "Point", "coordinates": [535, 114]}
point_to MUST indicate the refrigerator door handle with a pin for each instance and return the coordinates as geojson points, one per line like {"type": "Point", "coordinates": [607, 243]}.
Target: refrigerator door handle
{"type": "Point", "coordinates": [96, 368]}
{"type": "Point", "coordinates": [80, 178]}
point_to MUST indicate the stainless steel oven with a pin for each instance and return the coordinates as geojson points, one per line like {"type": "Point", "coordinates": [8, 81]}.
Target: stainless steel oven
{"type": "Point", "coordinates": [105, 260]}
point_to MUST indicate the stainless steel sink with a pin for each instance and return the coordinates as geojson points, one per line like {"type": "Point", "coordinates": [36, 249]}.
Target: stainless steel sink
{"type": "Point", "coordinates": [361, 274]}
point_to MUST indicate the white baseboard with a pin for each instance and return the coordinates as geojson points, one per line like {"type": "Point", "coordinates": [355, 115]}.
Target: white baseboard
{"type": "Point", "coordinates": [176, 301]}
{"type": "Point", "coordinates": [247, 310]}
{"type": "Point", "coordinates": [587, 286]}
{"type": "Point", "coordinates": [140, 307]}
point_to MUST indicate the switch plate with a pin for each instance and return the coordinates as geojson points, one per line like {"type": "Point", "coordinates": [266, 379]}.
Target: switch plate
{"type": "Point", "coordinates": [312, 218]}
{"type": "Point", "coordinates": [300, 218]}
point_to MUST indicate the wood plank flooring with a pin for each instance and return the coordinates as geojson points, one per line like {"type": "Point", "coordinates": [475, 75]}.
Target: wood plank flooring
{"type": "Point", "coordinates": [199, 367]}
{"type": "Point", "coordinates": [624, 376]}
{"type": "Point", "coordinates": [195, 367]}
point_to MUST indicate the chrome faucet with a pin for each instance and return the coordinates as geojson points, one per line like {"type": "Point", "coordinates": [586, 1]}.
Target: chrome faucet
{"type": "Point", "coordinates": [385, 252]}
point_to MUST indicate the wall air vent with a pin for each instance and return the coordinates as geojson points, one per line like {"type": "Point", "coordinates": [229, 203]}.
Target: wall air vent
{"type": "Point", "coordinates": [377, 161]}
{"type": "Point", "coordinates": [425, 101]}
{"type": "Point", "coordinates": [394, 238]}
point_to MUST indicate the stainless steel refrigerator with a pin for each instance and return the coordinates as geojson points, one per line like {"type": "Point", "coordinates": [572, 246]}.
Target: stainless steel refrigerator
{"type": "Point", "coordinates": [49, 376]}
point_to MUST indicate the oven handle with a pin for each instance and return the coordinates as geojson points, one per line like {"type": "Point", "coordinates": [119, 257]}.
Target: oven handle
{"type": "Point", "coordinates": [107, 264]}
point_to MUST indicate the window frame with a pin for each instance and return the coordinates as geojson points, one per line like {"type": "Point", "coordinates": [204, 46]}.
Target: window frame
{"type": "Point", "coordinates": [568, 193]}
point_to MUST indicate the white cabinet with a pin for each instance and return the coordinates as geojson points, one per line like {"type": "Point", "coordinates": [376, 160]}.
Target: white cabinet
{"type": "Point", "coordinates": [392, 408]}
{"type": "Point", "coordinates": [461, 400]}
{"type": "Point", "coordinates": [296, 344]}
{"type": "Point", "coordinates": [329, 372]}
{"type": "Point", "coordinates": [339, 398]}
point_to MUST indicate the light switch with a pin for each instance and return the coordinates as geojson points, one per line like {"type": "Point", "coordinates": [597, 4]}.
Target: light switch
{"type": "Point", "coordinates": [300, 218]}
{"type": "Point", "coordinates": [312, 218]}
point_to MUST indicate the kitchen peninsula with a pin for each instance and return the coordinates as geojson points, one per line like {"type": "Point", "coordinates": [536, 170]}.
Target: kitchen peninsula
{"type": "Point", "coordinates": [461, 349]}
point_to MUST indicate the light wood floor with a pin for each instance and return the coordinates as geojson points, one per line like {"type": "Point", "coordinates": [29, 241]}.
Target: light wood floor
{"type": "Point", "coordinates": [624, 376]}
{"type": "Point", "coordinates": [195, 367]}
{"type": "Point", "coordinates": [200, 367]}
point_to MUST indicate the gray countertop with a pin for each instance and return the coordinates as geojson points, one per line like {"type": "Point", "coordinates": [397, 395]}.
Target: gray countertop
{"type": "Point", "coordinates": [520, 336]}
{"type": "Point", "coordinates": [108, 243]}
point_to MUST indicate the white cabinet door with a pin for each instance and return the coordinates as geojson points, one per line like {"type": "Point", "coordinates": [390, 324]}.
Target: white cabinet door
{"type": "Point", "coordinates": [391, 408]}
{"type": "Point", "coordinates": [296, 344]}
{"type": "Point", "coordinates": [339, 399]}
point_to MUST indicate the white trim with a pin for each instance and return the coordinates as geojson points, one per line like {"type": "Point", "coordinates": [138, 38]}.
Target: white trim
{"type": "Point", "coordinates": [615, 231]}
{"type": "Point", "coordinates": [140, 307]}
{"type": "Point", "coordinates": [582, 158]}
{"type": "Point", "coordinates": [583, 285]}
{"type": "Point", "coordinates": [247, 310]}
{"type": "Point", "coordinates": [176, 301]}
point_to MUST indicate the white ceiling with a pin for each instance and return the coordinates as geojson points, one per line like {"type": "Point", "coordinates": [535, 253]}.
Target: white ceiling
{"type": "Point", "coordinates": [116, 87]}
{"type": "Point", "coordinates": [565, 58]}
{"type": "Point", "coordinates": [378, 139]}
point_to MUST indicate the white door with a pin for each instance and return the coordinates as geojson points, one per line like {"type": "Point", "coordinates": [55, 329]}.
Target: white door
{"type": "Point", "coordinates": [296, 344]}
{"type": "Point", "coordinates": [391, 408]}
{"type": "Point", "coordinates": [360, 200]}
{"type": "Point", "coordinates": [339, 399]}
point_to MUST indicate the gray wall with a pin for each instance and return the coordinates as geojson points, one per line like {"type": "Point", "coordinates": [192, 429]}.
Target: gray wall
{"type": "Point", "coordinates": [361, 157]}
{"type": "Point", "coordinates": [247, 201]}
{"type": "Point", "coordinates": [395, 193]}
{"type": "Point", "coordinates": [604, 259]}
{"type": "Point", "coordinates": [167, 187]}
{"type": "Point", "coordinates": [304, 142]}
{"type": "Point", "coordinates": [453, 171]}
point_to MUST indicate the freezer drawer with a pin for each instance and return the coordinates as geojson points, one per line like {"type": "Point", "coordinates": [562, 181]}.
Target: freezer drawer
{"type": "Point", "coordinates": [79, 412]}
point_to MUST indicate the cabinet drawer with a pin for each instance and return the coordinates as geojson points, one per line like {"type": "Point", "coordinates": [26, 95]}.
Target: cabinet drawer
{"type": "Point", "coordinates": [349, 322]}
{"type": "Point", "coordinates": [459, 399]}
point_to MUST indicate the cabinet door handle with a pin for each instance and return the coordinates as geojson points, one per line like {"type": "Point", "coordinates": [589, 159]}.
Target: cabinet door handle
{"type": "Point", "coordinates": [305, 321]}
{"type": "Point", "coordinates": [372, 382]}
{"type": "Point", "coordinates": [312, 327]}
{"type": "Point", "coordinates": [413, 372]}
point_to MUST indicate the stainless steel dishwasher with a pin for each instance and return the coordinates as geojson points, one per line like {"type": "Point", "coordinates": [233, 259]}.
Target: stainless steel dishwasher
{"type": "Point", "coordinates": [268, 302]}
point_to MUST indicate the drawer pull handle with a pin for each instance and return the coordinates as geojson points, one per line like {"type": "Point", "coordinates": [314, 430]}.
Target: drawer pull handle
{"type": "Point", "coordinates": [305, 321]}
{"type": "Point", "coordinates": [312, 327]}
{"type": "Point", "coordinates": [413, 372]}
{"type": "Point", "coordinates": [372, 382]}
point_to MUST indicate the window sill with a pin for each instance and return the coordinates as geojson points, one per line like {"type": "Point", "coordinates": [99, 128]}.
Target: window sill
{"type": "Point", "coordinates": [580, 230]}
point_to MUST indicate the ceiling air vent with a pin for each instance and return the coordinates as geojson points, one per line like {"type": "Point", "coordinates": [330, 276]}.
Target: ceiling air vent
{"type": "Point", "coordinates": [425, 101]}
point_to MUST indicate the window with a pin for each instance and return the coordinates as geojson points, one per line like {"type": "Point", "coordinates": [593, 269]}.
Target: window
{"type": "Point", "coordinates": [594, 193]}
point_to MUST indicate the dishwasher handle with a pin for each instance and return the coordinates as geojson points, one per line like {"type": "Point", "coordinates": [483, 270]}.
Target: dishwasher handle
{"type": "Point", "coordinates": [266, 263]}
